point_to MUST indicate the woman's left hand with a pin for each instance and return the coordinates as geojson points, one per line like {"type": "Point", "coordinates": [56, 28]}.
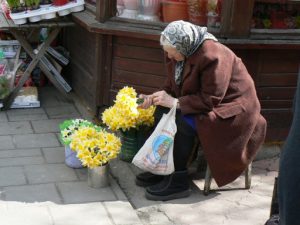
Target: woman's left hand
{"type": "Point", "coordinates": [163, 98]}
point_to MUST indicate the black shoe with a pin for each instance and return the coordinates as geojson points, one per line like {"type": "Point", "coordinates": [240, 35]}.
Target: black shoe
{"type": "Point", "coordinates": [147, 179]}
{"type": "Point", "coordinates": [171, 187]}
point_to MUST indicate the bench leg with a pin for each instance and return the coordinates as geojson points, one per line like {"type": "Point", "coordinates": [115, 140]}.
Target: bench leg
{"type": "Point", "coordinates": [248, 172]}
{"type": "Point", "coordinates": [207, 182]}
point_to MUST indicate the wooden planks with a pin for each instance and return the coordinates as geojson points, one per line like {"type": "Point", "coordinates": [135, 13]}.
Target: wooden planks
{"type": "Point", "coordinates": [83, 47]}
{"type": "Point", "coordinates": [3, 22]}
{"type": "Point", "coordinates": [138, 63]}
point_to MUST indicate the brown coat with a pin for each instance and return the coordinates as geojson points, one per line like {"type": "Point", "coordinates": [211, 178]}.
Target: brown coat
{"type": "Point", "coordinates": [217, 88]}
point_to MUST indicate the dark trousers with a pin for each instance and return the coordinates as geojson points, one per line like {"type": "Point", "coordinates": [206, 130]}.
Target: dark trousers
{"type": "Point", "coordinates": [289, 170]}
{"type": "Point", "coordinates": [184, 139]}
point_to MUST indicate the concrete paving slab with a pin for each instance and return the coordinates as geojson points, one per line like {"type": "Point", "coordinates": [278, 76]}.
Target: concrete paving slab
{"type": "Point", "coordinates": [46, 126]}
{"type": "Point", "coordinates": [6, 142]}
{"type": "Point", "coordinates": [21, 161]}
{"type": "Point", "coordinates": [79, 214]}
{"type": "Point", "coordinates": [80, 192]}
{"type": "Point", "coordinates": [65, 112]}
{"type": "Point", "coordinates": [54, 155]}
{"type": "Point", "coordinates": [32, 193]}
{"type": "Point", "coordinates": [117, 190]}
{"type": "Point", "coordinates": [81, 173]}
{"type": "Point", "coordinates": [20, 153]}
{"type": "Point", "coordinates": [22, 127]}
{"type": "Point", "coordinates": [15, 213]}
{"type": "Point", "coordinates": [122, 213]}
{"type": "Point", "coordinates": [12, 176]}
{"type": "Point", "coordinates": [26, 114]}
{"type": "Point", "coordinates": [36, 140]}
{"type": "Point", "coordinates": [38, 174]}
{"type": "Point", "coordinates": [3, 117]}
{"type": "Point", "coordinates": [50, 97]}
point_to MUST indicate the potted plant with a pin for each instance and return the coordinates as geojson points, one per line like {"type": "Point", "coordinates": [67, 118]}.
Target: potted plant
{"type": "Point", "coordinates": [16, 6]}
{"type": "Point", "coordinates": [32, 4]}
{"type": "Point", "coordinates": [95, 148]}
{"type": "Point", "coordinates": [67, 130]}
{"type": "Point", "coordinates": [132, 122]}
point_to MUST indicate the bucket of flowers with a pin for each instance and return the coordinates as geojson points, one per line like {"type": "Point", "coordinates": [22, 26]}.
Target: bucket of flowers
{"type": "Point", "coordinates": [95, 148]}
{"type": "Point", "coordinates": [67, 130]}
{"type": "Point", "coordinates": [132, 122]}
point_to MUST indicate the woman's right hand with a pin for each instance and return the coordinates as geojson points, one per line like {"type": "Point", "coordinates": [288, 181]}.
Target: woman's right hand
{"type": "Point", "coordinates": [148, 100]}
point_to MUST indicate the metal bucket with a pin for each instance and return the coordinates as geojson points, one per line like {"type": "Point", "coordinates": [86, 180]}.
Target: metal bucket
{"type": "Point", "coordinates": [98, 176]}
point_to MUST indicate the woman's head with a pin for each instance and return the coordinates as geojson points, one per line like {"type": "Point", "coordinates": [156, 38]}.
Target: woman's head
{"type": "Point", "coordinates": [171, 49]}
{"type": "Point", "coordinates": [185, 37]}
{"type": "Point", "coordinates": [180, 40]}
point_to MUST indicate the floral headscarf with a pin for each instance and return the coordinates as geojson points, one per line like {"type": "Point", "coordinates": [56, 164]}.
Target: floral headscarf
{"type": "Point", "coordinates": [186, 37]}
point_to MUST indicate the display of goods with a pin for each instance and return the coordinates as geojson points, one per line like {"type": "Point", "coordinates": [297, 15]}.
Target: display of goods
{"type": "Point", "coordinates": [60, 2]}
{"type": "Point", "coordinates": [49, 12]}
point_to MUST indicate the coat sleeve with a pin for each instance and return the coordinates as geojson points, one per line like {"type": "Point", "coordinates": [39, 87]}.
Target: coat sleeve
{"type": "Point", "coordinates": [215, 70]}
{"type": "Point", "coordinates": [167, 86]}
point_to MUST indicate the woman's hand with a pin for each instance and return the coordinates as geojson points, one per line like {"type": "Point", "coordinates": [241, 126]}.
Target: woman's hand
{"type": "Point", "coordinates": [163, 99]}
{"type": "Point", "coordinates": [148, 101]}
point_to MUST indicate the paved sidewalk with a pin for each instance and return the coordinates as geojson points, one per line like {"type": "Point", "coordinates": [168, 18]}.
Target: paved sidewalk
{"type": "Point", "coordinates": [229, 205]}
{"type": "Point", "coordinates": [37, 188]}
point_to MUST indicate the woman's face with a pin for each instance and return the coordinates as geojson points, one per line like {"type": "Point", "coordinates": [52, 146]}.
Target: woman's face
{"type": "Point", "coordinates": [173, 53]}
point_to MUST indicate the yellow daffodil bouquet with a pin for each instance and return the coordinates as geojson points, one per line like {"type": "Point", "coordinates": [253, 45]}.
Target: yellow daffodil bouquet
{"type": "Point", "coordinates": [69, 127]}
{"type": "Point", "coordinates": [125, 114]}
{"type": "Point", "coordinates": [94, 147]}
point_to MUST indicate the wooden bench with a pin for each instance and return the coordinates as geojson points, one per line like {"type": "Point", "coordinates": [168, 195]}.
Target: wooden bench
{"type": "Point", "coordinates": [208, 177]}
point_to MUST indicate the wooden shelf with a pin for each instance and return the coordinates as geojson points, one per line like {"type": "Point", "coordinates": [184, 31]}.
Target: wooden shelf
{"type": "Point", "coordinates": [272, 1]}
{"type": "Point", "coordinates": [278, 1]}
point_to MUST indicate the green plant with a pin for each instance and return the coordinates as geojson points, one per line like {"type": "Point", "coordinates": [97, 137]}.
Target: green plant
{"type": "Point", "coordinates": [4, 87]}
{"type": "Point", "coordinates": [267, 23]}
{"type": "Point", "coordinates": [28, 3]}
{"type": "Point", "coordinates": [69, 127]}
{"type": "Point", "coordinates": [13, 4]}
{"type": "Point", "coordinates": [36, 2]}
{"type": "Point", "coordinates": [95, 148]}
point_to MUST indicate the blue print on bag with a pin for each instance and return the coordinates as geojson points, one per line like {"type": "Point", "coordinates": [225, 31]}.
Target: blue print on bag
{"type": "Point", "coordinates": [160, 146]}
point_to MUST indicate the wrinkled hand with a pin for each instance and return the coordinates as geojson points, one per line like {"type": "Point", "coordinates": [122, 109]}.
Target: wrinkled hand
{"type": "Point", "coordinates": [163, 99]}
{"type": "Point", "coordinates": [147, 101]}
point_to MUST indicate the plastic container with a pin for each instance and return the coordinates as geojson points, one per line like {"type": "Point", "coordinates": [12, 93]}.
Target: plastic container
{"type": "Point", "coordinates": [174, 11]}
{"type": "Point", "coordinates": [60, 2]}
{"type": "Point", "coordinates": [71, 159]}
{"type": "Point", "coordinates": [46, 13]}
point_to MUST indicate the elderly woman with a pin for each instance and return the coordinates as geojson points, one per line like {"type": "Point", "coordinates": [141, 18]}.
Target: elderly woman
{"type": "Point", "coordinates": [217, 102]}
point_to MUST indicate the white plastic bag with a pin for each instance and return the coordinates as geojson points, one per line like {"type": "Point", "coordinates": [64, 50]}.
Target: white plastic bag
{"type": "Point", "coordinates": [156, 155]}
